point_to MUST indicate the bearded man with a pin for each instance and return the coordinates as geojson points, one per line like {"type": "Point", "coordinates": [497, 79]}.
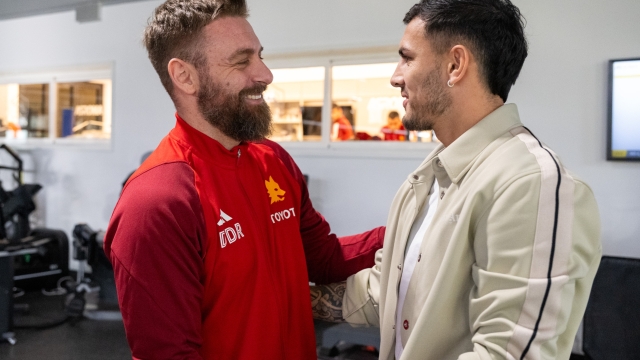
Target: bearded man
{"type": "Point", "coordinates": [492, 245]}
{"type": "Point", "coordinates": [209, 239]}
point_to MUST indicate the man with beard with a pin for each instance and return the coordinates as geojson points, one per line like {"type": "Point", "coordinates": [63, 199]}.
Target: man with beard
{"type": "Point", "coordinates": [491, 245]}
{"type": "Point", "coordinates": [209, 239]}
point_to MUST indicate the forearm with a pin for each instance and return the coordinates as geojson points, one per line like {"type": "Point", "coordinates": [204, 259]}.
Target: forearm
{"type": "Point", "coordinates": [326, 301]}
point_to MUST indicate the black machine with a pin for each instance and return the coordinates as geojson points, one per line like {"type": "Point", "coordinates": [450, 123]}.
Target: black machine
{"type": "Point", "coordinates": [87, 249]}
{"type": "Point", "coordinates": [29, 258]}
{"type": "Point", "coordinates": [84, 243]}
{"type": "Point", "coordinates": [43, 268]}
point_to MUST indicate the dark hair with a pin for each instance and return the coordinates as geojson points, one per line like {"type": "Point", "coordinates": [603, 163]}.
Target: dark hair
{"type": "Point", "coordinates": [492, 29]}
{"type": "Point", "coordinates": [393, 115]}
{"type": "Point", "coordinates": [175, 29]}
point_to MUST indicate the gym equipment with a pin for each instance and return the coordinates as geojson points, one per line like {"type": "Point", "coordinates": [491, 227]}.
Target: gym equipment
{"type": "Point", "coordinates": [7, 256]}
{"type": "Point", "coordinates": [6, 298]}
{"type": "Point", "coordinates": [612, 316]}
{"type": "Point", "coordinates": [87, 249]}
{"type": "Point", "coordinates": [28, 258]}
{"type": "Point", "coordinates": [84, 241]}
{"type": "Point", "coordinates": [43, 268]}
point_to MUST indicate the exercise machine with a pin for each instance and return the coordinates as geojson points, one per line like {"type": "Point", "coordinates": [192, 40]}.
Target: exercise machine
{"type": "Point", "coordinates": [87, 249]}
{"type": "Point", "coordinates": [29, 258]}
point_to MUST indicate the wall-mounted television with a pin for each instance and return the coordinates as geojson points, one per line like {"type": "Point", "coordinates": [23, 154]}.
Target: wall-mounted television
{"type": "Point", "coordinates": [623, 141]}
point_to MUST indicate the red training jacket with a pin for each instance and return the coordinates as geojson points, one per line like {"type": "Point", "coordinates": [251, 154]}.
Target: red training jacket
{"type": "Point", "coordinates": [208, 248]}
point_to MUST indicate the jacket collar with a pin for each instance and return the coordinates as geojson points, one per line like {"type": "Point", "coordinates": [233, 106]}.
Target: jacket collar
{"type": "Point", "coordinates": [458, 157]}
{"type": "Point", "coordinates": [206, 147]}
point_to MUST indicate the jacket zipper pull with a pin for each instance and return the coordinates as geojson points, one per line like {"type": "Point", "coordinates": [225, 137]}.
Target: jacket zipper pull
{"type": "Point", "coordinates": [239, 153]}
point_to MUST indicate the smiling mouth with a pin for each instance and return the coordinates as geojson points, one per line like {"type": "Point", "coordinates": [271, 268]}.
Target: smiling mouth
{"type": "Point", "coordinates": [254, 97]}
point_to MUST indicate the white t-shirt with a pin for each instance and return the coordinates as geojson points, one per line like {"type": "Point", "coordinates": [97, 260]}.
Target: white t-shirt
{"type": "Point", "coordinates": [418, 229]}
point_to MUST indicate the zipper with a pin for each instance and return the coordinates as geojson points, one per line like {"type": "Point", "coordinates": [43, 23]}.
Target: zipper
{"type": "Point", "coordinates": [239, 153]}
{"type": "Point", "coordinates": [257, 226]}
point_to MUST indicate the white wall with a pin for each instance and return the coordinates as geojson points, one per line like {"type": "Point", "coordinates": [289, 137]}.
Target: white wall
{"type": "Point", "coordinates": [561, 94]}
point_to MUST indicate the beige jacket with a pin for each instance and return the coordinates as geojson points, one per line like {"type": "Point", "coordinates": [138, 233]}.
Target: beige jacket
{"type": "Point", "coordinates": [506, 267]}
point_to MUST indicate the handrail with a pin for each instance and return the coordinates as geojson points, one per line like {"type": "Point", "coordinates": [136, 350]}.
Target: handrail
{"type": "Point", "coordinates": [17, 158]}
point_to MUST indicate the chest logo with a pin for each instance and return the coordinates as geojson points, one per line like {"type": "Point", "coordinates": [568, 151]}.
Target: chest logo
{"type": "Point", "coordinates": [275, 193]}
{"type": "Point", "coordinates": [223, 218]}
{"type": "Point", "coordinates": [230, 234]}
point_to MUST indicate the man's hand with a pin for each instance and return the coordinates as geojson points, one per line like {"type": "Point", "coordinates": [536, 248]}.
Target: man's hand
{"type": "Point", "coordinates": [326, 301]}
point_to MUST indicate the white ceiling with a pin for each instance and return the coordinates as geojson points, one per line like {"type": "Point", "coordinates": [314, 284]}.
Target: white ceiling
{"type": "Point", "coordinates": [10, 9]}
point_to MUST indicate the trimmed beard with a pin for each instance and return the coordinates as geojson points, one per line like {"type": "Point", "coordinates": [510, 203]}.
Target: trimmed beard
{"type": "Point", "coordinates": [436, 103]}
{"type": "Point", "coordinates": [230, 113]}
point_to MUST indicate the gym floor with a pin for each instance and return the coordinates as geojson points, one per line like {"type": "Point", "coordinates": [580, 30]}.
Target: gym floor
{"type": "Point", "coordinates": [104, 340]}
{"type": "Point", "coordinates": [38, 338]}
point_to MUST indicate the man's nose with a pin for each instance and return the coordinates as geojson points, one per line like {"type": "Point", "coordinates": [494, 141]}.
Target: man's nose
{"type": "Point", "coordinates": [263, 74]}
{"type": "Point", "coordinates": [397, 80]}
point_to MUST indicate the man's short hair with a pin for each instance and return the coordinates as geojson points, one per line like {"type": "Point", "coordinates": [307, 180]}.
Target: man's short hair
{"type": "Point", "coordinates": [493, 30]}
{"type": "Point", "coordinates": [175, 30]}
{"type": "Point", "coordinates": [393, 115]}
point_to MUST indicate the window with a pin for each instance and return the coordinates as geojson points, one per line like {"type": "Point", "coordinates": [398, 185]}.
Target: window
{"type": "Point", "coordinates": [363, 105]}
{"type": "Point", "coordinates": [362, 100]}
{"type": "Point", "coordinates": [43, 108]}
{"type": "Point", "coordinates": [24, 110]}
{"type": "Point", "coordinates": [81, 110]}
{"type": "Point", "coordinates": [295, 97]}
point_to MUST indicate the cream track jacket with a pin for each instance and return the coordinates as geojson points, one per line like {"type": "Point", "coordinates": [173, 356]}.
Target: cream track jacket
{"type": "Point", "coordinates": [506, 267]}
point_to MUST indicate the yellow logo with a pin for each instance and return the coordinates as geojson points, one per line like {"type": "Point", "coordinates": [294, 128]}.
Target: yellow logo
{"type": "Point", "coordinates": [274, 190]}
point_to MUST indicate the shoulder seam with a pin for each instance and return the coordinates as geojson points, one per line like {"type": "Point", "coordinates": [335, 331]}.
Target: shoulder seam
{"type": "Point", "coordinates": [154, 167]}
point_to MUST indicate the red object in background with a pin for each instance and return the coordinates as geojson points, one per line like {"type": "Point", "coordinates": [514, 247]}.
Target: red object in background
{"type": "Point", "coordinates": [394, 135]}
{"type": "Point", "coordinates": [345, 130]}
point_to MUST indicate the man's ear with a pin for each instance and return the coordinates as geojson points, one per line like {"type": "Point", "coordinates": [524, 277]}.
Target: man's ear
{"type": "Point", "coordinates": [183, 75]}
{"type": "Point", "coordinates": [459, 61]}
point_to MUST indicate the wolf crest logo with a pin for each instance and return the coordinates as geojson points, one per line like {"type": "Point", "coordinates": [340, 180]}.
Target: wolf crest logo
{"type": "Point", "coordinates": [275, 193]}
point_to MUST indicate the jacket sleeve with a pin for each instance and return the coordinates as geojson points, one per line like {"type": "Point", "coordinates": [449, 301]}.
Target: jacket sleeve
{"type": "Point", "coordinates": [154, 243]}
{"type": "Point", "coordinates": [537, 249]}
{"type": "Point", "coordinates": [329, 259]}
{"type": "Point", "coordinates": [360, 302]}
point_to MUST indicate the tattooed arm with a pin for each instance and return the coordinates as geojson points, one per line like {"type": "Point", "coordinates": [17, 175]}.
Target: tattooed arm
{"type": "Point", "coordinates": [326, 301]}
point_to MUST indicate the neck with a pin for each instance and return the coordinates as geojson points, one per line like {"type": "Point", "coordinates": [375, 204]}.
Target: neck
{"type": "Point", "coordinates": [461, 118]}
{"type": "Point", "coordinates": [197, 121]}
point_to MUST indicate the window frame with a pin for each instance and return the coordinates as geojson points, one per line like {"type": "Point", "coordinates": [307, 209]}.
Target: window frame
{"type": "Point", "coordinates": [325, 147]}
{"type": "Point", "coordinates": [63, 75]}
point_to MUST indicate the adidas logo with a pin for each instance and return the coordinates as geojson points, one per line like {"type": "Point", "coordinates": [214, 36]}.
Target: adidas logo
{"type": "Point", "coordinates": [223, 218]}
{"type": "Point", "coordinates": [231, 233]}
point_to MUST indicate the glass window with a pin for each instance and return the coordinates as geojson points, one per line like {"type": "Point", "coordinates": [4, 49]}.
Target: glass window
{"type": "Point", "coordinates": [295, 97]}
{"type": "Point", "coordinates": [367, 107]}
{"type": "Point", "coordinates": [24, 111]}
{"type": "Point", "coordinates": [84, 109]}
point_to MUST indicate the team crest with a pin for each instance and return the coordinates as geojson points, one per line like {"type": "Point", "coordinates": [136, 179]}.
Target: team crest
{"type": "Point", "coordinates": [275, 193]}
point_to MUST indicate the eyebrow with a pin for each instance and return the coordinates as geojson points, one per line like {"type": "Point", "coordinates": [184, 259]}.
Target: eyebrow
{"type": "Point", "coordinates": [245, 51]}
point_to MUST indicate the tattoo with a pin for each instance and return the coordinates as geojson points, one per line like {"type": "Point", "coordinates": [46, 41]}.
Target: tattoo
{"type": "Point", "coordinates": [326, 301]}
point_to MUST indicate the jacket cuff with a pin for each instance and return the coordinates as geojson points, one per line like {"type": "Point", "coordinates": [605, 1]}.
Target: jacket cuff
{"type": "Point", "coordinates": [358, 308]}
